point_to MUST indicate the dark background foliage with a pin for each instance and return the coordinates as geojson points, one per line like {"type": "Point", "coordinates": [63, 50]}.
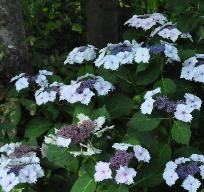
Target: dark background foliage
{"type": "Point", "coordinates": [55, 27]}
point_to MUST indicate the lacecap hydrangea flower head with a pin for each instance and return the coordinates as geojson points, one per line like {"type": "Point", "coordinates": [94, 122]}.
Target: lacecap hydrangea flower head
{"type": "Point", "coordinates": [117, 166]}
{"type": "Point", "coordinates": [181, 108]}
{"type": "Point", "coordinates": [164, 29]}
{"type": "Point", "coordinates": [19, 164]}
{"type": "Point", "coordinates": [193, 69]}
{"type": "Point", "coordinates": [169, 50]}
{"type": "Point", "coordinates": [81, 54]}
{"type": "Point", "coordinates": [146, 21]}
{"type": "Point", "coordinates": [114, 55]}
{"type": "Point", "coordinates": [79, 134]}
{"type": "Point", "coordinates": [23, 80]}
{"type": "Point", "coordinates": [190, 171]}
{"type": "Point", "coordinates": [82, 89]}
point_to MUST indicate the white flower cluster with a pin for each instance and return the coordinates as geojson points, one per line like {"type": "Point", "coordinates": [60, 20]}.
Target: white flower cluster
{"type": "Point", "coordinates": [166, 29]}
{"type": "Point", "coordinates": [181, 109]}
{"type": "Point", "coordinates": [74, 133]}
{"type": "Point", "coordinates": [193, 68]}
{"type": "Point", "coordinates": [81, 89]}
{"type": "Point", "coordinates": [140, 153]}
{"type": "Point", "coordinates": [185, 169]}
{"type": "Point", "coordinates": [18, 164]}
{"type": "Point", "coordinates": [114, 55]}
{"type": "Point", "coordinates": [171, 52]}
{"type": "Point", "coordinates": [22, 80]}
{"type": "Point", "coordinates": [81, 54]}
{"type": "Point", "coordinates": [146, 21]}
{"type": "Point", "coordinates": [123, 174]}
{"type": "Point", "coordinates": [148, 105]}
{"type": "Point", "coordinates": [47, 94]}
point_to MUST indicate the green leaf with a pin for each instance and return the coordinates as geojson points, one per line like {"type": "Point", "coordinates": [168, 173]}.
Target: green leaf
{"type": "Point", "coordinates": [176, 6]}
{"type": "Point", "coordinates": [112, 188]}
{"type": "Point", "coordinates": [107, 75]}
{"type": "Point", "coordinates": [36, 127]}
{"type": "Point", "coordinates": [151, 175]}
{"type": "Point", "coordinates": [168, 87]}
{"type": "Point", "coordinates": [201, 33]}
{"type": "Point", "coordinates": [142, 122]}
{"type": "Point", "coordinates": [55, 78]}
{"type": "Point", "coordinates": [132, 34]}
{"type": "Point", "coordinates": [15, 114]}
{"type": "Point", "coordinates": [186, 151]}
{"type": "Point", "coordinates": [84, 184]}
{"type": "Point", "coordinates": [51, 110]}
{"type": "Point", "coordinates": [101, 112]}
{"type": "Point", "coordinates": [86, 110]}
{"type": "Point", "coordinates": [129, 138]}
{"type": "Point", "coordinates": [30, 105]}
{"type": "Point", "coordinates": [181, 132]}
{"type": "Point", "coordinates": [86, 69]}
{"type": "Point", "coordinates": [148, 76]}
{"type": "Point", "coordinates": [123, 188]}
{"type": "Point", "coordinates": [76, 27]}
{"type": "Point", "coordinates": [119, 105]}
{"type": "Point", "coordinates": [187, 25]}
{"type": "Point", "coordinates": [61, 157]}
{"type": "Point", "coordinates": [186, 53]}
{"type": "Point", "coordinates": [142, 67]}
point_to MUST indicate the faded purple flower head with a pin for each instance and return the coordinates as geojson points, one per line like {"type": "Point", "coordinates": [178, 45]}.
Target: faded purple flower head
{"type": "Point", "coordinates": [156, 49]}
{"type": "Point", "coordinates": [78, 133]}
{"type": "Point", "coordinates": [82, 48]}
{"type": "Point", "coordinates": [169, 27]}
{"type": "Point", "coordinates": [115, 49]}
{"type": "Point", "coordinates": [200, 62]}
{"type": "Point", "coordinates": [86, 84]}
{"type": "Point", "coordinates": [161, 102]}
{"type": "Point", "coordinates": [15, 169]}
{"type": "Point", "coordinates": [23, 150]}
{"type": "Point", "coordinates": [121, 158]}
{"type": "Point", "coordinates": [183, 170]}
{"type": "Point", "coordinates": [32, 78]}
{"type": "Point", "coordinates": [171, 107]}
{"type": "Point", "coordinates": [52, 88]}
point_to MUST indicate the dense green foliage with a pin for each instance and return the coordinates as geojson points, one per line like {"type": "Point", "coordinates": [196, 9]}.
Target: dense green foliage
{"type": "Point", "coordinates": [54, 28]}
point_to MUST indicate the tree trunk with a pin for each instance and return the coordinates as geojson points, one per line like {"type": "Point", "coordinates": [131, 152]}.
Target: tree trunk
{"type": "Point", "coordinates": [12, 36]}
{"type": "Point", "coordinates": [101, 22]}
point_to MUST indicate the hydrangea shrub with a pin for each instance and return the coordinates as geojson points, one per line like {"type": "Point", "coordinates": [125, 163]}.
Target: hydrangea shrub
{"type": "Point", "coordinates": [115, 122]}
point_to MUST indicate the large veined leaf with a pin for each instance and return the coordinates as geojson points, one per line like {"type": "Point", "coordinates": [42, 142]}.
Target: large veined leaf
{"type": "Point", "coordinates": [30, 105]}
{"type": "Point", "coordinates": [101, 112]}
{"type": "Point", "coordinates": [15, 114]}
{"type": "Point", "coordinates": [62, 158]}
{"type": "Point", "coordinates": [142, 122]}
{"type": "Point", "coordinates": [119, 105]}
{"type": "Point", "coordinates": [181, 132]}
{"type": "Point", "coordinates": [112, 188]}
{"type": "Point", "coordinates": [150, 75]}
{"type": "Point", "coordinates": [84, 184]}
{"type": "Point", "coordinates": [187, 25]}
{"type": "Point", "coordinates": [176, 6]}
{"type": "Point", "coordinates": [151, 175]}
{"type": "Point", "coordinates": [186, 53]}
{"type": "Point", "coordinates": [86, 69]}
{"type": "Point", "coordinates": [168, 87]}
{"type": "Point", "coordinates": [36, 127]}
